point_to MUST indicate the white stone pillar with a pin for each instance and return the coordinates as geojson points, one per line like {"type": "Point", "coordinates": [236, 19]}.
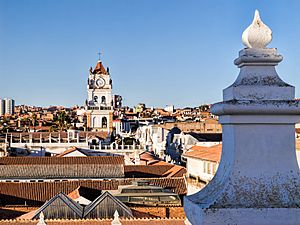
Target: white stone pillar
{"type": "Point", "coordinates": [258, 179]}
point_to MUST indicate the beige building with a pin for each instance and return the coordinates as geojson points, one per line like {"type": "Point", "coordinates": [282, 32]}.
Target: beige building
{"type": "Point", "coordinates": [207, 126]}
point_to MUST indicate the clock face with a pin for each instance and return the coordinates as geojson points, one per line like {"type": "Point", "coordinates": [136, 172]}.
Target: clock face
{"type": "Point", "coordinates": [100, 82]}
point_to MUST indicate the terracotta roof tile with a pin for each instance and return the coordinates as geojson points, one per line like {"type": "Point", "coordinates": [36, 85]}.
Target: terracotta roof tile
{"type": "Point", "coordinates": [212, 153]}
{"type": "Point", "coordinates": [146, 221]}
{"type": "Point", "coordinates": [147, 156]}
{"type": "Point", "coordinates": [85, 192]}
{"type": "Point", "coordinates": [62, 160]}
{"type": "Point", "coordinates": [164, 170]}
{"type": "Point", "coordinates": [70, 150]}
{"type": "Point", "coordinates": [36, 193]}
{"type": "Point", "coordinates": [99, 69]}
{"type": "Point", "coordinates": [61, 171]}
{"type": "Point", "coordinates": [27, 216]}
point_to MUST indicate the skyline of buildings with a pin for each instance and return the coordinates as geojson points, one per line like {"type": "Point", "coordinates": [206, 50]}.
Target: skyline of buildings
{"type": "Point", "coordinates": [236, 161]}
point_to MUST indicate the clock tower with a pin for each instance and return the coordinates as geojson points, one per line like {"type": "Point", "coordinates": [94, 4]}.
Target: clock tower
{"type": "Point", "coordinates": [99, 103]}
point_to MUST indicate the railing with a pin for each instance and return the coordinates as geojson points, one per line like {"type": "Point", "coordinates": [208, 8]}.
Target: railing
{"type": "Point", "coordinates": [116, 147]}
{"type": "Point", "coordinates": [100, 108]}
{"type": "Point", "coordinates": [93, 108]}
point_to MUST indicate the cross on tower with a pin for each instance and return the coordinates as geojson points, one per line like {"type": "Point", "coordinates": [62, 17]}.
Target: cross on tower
{"type": "Point", "coordinates": [100, 53]}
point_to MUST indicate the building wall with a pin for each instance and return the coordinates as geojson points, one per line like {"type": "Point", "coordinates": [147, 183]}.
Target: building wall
{"type": "Point", "coordinates": [161, 212]}
{"type": "Point", "coordinates": [208, 126]}
{"type": "Point", "coordinates": [153, 138]}
{"type": "Point", "coordinates": [2, 107]}
{"type": "Point", "coordinates": [7, 106]}
{"type": "Point", "coordinates": [201, 169]}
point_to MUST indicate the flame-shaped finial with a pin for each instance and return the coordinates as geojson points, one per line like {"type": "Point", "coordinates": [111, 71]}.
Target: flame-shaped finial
{"type": "Point", "coordinates": [257, 35]}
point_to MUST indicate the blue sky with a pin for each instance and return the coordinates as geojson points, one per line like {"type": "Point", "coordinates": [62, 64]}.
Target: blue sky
{"type": "Point", "coordinates": [160, 52]}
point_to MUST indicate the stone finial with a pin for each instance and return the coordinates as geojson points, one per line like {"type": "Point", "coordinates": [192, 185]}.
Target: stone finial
{"type": "Point", "coordinates": [41, 219]}
{"type": "Point", "coordinates": [257, 35]}
{"type": "Point", "coordinates": [116, 220]}
{"type": "Point", "coordinates": [187, 222]}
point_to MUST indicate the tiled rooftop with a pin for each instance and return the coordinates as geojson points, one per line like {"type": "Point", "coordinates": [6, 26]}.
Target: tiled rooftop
{"type": "Point", "coordinates": [36, 193]}
{"type": "Point", "coordinates": [212, 153]}
{"type": "Point", "coordinates": [61, 160]}
{"type": "Point", "coordinates": [99, 68]}
{"type": "Point", "coordinates": [146, 221]}
{"type": "Point", "coordinates": [166, 170]}
{"type": "Point", "coordinates": [61, 171]}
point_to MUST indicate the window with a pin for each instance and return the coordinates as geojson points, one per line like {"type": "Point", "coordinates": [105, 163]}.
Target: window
{"type": "Point", "coordinates": [215, 167]}
{"type": "Point", "coordinates": [103, 100]}
{"type": "Point", "coordinates": [136, 199]}
{"type": "Point", "coordinates": [208, 168]}
{"type": "Point", "coordinates": [204, 167]}
{"type": "Point", "coordinates": [122, 198]}
{"type": "Point", "coordinates": [104, 122]}
{"type": "Point", "coordinates": [168, 199]}
{"type": "Point", "coordinates": [152, 199]}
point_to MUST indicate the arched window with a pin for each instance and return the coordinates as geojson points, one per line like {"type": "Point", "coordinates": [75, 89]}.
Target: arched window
{"type": "Point", "coordinates": [104, 122]}
{"type": "Point", "coordinates": [103, 100]}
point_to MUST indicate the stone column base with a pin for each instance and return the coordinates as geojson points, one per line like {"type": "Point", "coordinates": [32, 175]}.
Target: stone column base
{"type": "Point", "coordinates": [244, 216]}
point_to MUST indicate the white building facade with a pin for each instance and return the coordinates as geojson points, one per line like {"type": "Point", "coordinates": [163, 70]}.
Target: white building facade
{"type": "Point", "coordinates": [152, 138]}
{"type": "Point", "coordinates": [100, 101]}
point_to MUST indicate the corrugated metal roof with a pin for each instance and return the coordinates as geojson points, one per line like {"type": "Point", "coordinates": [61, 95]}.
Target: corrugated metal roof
{"type": "Point", "coordinates": [115, 203]}
{"type": "Point", "coordinates": [65, 201]}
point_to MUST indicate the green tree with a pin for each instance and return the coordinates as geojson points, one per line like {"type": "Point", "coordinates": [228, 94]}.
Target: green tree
{"type": "Point", "coordinates": [62, 120]}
